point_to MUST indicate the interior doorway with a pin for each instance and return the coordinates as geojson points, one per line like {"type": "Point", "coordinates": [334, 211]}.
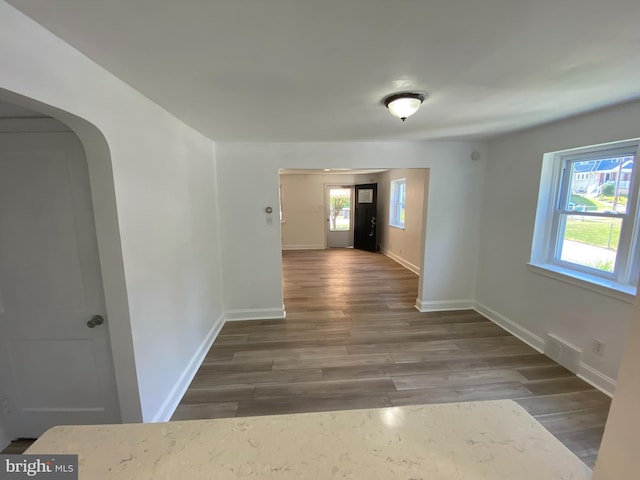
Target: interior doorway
{"type": "Point", "coordinates": [56, 365]}
{"type": "Point", "coordinates": [394, 226]}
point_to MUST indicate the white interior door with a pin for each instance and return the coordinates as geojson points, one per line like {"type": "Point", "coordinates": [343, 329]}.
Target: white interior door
{"type": "Point", "coordinates": [339, 216]}
{"type": "Point", "coordinates": [54, 369]}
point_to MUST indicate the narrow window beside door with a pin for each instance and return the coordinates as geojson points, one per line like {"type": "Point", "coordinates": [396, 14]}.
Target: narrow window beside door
{"type": "Point", "coordinates": [397, 204]}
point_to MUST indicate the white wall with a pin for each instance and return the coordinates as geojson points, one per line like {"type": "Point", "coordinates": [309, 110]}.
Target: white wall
{"type": "Point", "coordinates": [303, 206]}
{"type": "Point", "coordinates": [403, 245]}
{"type": "Point", "coordinates": [618, 456]}
{"type": "Point", "coordinates": [155, 209]}
{"type": "Point", "coordinates": [507, 289]}
{"type": "Point", "coordinates": [303, 225]}
{"type": "Point", "coordinates": [248, 182]}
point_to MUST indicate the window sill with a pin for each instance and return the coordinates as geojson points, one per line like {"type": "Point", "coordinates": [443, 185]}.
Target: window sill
{"type": "Point", "coordinates": [396, 226]}
{"type": "Point", "coordinates": [609, 288]}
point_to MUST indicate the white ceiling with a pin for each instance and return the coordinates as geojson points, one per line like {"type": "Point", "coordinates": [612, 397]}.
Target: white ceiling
{"type": "Point", "coordinates": [312, 70]}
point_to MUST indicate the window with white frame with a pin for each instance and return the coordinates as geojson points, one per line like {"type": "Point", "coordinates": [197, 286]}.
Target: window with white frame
{"type": "Point", "coordinates": [587, 223]}
{"type": "Point", "coordinates": [397, 202]}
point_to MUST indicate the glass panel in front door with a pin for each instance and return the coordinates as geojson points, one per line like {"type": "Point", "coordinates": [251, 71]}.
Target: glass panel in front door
{"type": "Point", "coordinates": [339, 209]}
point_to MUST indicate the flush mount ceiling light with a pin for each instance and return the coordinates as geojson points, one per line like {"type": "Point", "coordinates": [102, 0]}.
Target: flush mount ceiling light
{"type": "Point", "coordinates": [403, 105]}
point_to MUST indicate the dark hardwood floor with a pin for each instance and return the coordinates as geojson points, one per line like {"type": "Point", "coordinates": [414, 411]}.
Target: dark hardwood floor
{"type": "Point", "coordinates": [353, 339]}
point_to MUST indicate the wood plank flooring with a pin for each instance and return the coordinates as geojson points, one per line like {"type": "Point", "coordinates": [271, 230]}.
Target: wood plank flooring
{"type": "Point", "coordinates": [353, 339]}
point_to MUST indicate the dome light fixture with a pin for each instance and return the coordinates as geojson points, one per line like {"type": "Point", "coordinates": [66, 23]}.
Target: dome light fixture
{"type": "Point", "coordinates": [403, 105]}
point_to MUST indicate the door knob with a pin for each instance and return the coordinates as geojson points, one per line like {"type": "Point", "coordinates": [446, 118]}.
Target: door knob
{"type": "Point", "coordinates": [95, 321]}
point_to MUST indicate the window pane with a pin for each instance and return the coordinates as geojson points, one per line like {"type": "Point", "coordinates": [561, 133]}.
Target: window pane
{"type": "Point", "coordinates": [397, 204]}
{"type": "Point", "coordinates": [590, 241]}
{"type": "Point", "coordinates": [400, 214]}
{"type": "Point", "coordinates": [600, 185]}
{"type": "Point", "coordinates": [339, 209]}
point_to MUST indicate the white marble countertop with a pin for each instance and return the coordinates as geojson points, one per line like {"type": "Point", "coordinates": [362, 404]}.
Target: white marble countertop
{"type": "Point", "coordinates": [491, 440]}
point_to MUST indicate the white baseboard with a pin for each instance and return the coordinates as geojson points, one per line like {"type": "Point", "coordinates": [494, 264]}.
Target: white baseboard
{"type": "Point", "coordinates": [442, 305]}
{"type": "Point", "coordinates": [528, 337]}
{"type": "Point", "coordinates": [179, 389]}
{"type": "Point", "coordinates": [602, 382]}
{"type": "Point", "coordinates": [254, 314]}
{"type": "Point", "coordinates": [406, 264]}
{"type": "Point", "coordinates": [587, 373]}
{"type": "Point", "coordinates": [304, 247]}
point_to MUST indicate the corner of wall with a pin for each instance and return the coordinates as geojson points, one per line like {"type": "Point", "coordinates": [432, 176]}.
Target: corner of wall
{"type": "Point", "coordinates": [216, 195]}
{"type": "Point", "coordinates": [180, 387]}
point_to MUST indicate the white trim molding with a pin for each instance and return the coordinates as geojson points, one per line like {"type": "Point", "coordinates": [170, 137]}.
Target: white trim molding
{"type": "Point", "coordinates": [602, 382]}
{"type": "Point", "coordinates": [624, 293]}
{"type": "Point", "coordinates": [587, 373]}
{"type": "Point", "coordinates": [180, 388]}
{"type": "Point", "coordinates": [304, 247]}
{"type": "Point", "coordinates": [255, 314]}
{"type": "Point", "coordinates": [398, 259]}
{"type": "Point", "coordinates": [443, 305]}
{"type": "Point", "coordinates": [528, 337]}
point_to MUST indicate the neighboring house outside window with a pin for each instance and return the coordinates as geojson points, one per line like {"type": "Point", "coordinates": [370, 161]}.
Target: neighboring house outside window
{"type": "Point", "coordinates": [587, 224]}
{"type": "Point", "coordinates": [397, 202]}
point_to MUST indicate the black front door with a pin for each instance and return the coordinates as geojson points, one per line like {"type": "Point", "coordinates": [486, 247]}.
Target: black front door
{"type": "Point", "coordinates": [364, 226]}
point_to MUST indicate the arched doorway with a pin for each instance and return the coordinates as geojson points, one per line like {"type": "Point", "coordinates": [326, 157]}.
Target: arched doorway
{"type": "Point", "coordinates": [52, 177]}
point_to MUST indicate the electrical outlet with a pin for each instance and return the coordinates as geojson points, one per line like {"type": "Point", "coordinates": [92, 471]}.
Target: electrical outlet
{"type": "Point", "coordinates": [598, 347]}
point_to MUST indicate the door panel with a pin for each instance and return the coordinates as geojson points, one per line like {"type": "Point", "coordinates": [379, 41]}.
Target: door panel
{"type": "Point", "coordinates": [53, 368]}
{"type": "Point", "coordinates": [365, 217]}
{"type": "Point", "coordinates": [38, 235]}
{"type": "Point", "coordinates": [36, 376]}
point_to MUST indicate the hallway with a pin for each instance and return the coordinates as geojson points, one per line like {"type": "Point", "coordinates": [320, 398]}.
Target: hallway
{"type": "Point", "coordinates": [353, 339]}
